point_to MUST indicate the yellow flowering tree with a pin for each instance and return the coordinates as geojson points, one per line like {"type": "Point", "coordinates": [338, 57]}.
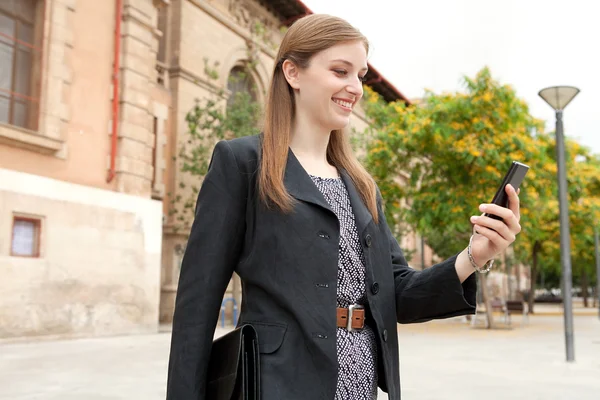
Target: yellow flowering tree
{"type": "Point", "coordinates": [539, 241]}
{"type": "Point", "coordinates": [583, 176]}
{"type": "Point", "coordinates": [447, 154]}
{"type": "Point", "coordinates": [437, 160]}
{"type": "Point", "coordinates": [539, 245]}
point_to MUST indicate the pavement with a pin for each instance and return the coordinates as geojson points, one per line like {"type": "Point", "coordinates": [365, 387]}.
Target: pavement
{"type": "Point", "coordinates": [448, 359]}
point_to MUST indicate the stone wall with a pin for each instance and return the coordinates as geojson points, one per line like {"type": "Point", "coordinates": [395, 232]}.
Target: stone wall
{"type": "Point", "coordinates": [99, 267]}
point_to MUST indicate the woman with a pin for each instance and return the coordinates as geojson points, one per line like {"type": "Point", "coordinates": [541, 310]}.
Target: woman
{"type": "Point", "coordinates": [299, 219]}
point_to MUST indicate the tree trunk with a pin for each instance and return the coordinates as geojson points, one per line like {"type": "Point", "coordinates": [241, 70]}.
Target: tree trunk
{"type": "Point", "coordinates": [584, 288]}
{"type": "Point", "coordinates": [486, 301]}
{"type": "Point", "coordinates": [518, 276]}
{"type": "Point", "coordinates": [533, 277]}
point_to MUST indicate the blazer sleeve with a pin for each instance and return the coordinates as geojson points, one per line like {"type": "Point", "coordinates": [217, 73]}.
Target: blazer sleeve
{"type": "Point", "coordinates": [434, 293]}
{"type": "Point", "coordinates": [210, 257]}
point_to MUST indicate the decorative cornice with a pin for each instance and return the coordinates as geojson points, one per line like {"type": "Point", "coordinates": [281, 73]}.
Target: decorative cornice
{"type": "Point", "coordinates": [179, 72]}
{"type": "Point", "coordinates": [246, 13]}
{"type": "Point", "coordinates": [231, 24]}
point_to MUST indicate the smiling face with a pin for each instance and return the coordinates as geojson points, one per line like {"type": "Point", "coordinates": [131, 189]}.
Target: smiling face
{"type": "Point", "coordinates": [327, 91]}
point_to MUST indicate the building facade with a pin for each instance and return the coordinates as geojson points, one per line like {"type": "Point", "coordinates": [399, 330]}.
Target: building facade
{"type": "Point", "coordinates": [93, 104]}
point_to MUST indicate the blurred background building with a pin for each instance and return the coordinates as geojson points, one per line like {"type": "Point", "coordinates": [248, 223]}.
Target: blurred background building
{"type": "Point", "coordinates": [93, 99]}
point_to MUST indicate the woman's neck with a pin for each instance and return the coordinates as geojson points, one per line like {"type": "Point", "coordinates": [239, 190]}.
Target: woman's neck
{"type": "Point", "coordinates": [309, 144]}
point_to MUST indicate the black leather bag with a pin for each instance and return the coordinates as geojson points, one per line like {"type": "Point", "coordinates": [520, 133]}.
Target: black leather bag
{"type": "Point", "coordinates": [234, 366]}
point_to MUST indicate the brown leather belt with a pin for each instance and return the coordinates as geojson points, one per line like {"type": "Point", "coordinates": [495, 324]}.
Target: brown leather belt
{"type": "Point", "coordinates": [351, 318]}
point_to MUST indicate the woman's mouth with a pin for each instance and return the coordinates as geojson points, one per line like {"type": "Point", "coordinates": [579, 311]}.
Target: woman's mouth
{"type": "Point", "coordinates": [344, 104]}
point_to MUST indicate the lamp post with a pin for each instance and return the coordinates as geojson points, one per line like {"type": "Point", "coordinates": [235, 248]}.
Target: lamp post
{"type": "Point", "coordinates": [558, 97]}
{"type": "Point", "coordinates": [597, 247]}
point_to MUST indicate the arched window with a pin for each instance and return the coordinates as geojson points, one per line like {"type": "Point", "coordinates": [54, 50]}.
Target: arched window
{"type": "Point", "coordinates": [240, 81]}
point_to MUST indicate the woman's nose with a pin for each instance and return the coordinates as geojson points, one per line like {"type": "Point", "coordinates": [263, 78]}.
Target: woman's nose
{"type": "Point", "coordinates": [356, 88]}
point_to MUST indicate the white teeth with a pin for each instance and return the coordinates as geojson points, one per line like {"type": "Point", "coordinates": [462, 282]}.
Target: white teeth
{"type": "Point", "coordinates": [343, 103]}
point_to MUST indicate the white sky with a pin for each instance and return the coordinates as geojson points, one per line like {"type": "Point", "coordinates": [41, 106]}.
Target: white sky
{"type": "Point", "coordinates": [529, 44]}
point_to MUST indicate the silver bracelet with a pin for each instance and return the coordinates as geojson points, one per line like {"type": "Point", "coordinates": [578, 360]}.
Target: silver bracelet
{"type": "Point", "coordinates": [486, 267]}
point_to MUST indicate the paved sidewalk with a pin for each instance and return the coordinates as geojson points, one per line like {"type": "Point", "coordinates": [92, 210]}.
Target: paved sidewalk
{"type": "Point", "coordinates": [439, 360]}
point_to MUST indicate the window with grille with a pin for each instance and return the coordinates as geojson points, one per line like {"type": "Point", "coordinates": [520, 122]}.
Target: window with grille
{"type": "Point", "coordinates": [240, 81]}
{"type": "Point", "coordinates": [26, 235]}
{"type": "Point", "coordinates": [19, 60]}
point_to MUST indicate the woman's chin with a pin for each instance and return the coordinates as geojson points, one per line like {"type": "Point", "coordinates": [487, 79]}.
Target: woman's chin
{"type": "Point", "coordinates": [339, 124]}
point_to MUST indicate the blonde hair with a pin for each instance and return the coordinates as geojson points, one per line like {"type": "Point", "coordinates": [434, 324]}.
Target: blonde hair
{"type": "Point", "coordinates": [306, 37]}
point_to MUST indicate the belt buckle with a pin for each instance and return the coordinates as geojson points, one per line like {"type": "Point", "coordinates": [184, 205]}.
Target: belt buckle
{"type": "Point", "coordinates": [351, 309]}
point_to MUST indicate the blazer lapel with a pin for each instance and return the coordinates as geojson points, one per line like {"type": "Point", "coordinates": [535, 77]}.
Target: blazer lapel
{"type": "Point", "coordinates": [299, 184]}
{"type": "Point", "coordinates": [362, 216]}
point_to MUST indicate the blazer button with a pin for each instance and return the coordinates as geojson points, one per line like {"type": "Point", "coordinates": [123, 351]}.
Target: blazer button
{"type": "Point", "coordinates": [323, 235]}
{"type": "Point", "coordinates": [385, 335]}
{"type": "Point", "coordinates": [368, 240]}
{"type": "Point", "coordinates": [375, 288]}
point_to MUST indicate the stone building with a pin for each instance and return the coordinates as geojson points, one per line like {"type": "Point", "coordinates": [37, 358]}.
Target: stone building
{"type": "Point", "coordinates": [93, 98]}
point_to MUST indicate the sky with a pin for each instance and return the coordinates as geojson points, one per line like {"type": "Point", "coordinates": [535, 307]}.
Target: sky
{"type": "Point", "coordinates": [529, 44]}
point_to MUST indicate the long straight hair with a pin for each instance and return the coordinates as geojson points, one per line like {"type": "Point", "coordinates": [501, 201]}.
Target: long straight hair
{"type": "Point", "coordinates": [306, 37]}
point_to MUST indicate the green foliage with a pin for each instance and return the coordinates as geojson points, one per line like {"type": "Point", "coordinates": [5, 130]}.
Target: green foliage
{"type": "Point", "coordinates": [208, 122]}
{"type": "Point", "coordinates": [211, 70]}
{"type": "Point", "coordinates": [437, 160]}
{"type": "Point", "coordinates": [446, 155]}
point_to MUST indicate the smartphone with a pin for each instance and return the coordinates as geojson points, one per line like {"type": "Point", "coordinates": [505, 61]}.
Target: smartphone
{"type": "Point", "coordinates": [515, 175]}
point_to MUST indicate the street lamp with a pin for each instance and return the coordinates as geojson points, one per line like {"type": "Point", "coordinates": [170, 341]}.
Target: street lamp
{"type": "Point", "coordinates": [597, 247]}
{"type": "Point", "coordinates": [558, 97]}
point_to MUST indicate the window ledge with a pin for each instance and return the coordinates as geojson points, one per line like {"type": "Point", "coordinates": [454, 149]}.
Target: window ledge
{"type": "Point", "coordinates": [24, 138]}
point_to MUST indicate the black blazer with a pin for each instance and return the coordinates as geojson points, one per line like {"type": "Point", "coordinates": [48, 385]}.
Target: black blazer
{"type": "Point", "coordinates": [288, 267]}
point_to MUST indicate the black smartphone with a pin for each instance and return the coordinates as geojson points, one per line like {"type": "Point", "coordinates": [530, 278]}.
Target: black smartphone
{"type": "Point", "coordinates": [515, 175]}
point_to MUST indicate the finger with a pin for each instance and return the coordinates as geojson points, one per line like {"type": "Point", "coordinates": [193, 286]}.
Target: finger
{"type": "Point", "coordinates": [493, 236]}
{"type": "Point", "coordinates": [513, 200]}
{"type": "Point", "coordinates": [502, 212]}
{"type": "Point", "coordinates": [496, 210]}
{"type": "Point", "coordinates": [499, 227]}
{"type": "Point", "coordinates": [508, 218]}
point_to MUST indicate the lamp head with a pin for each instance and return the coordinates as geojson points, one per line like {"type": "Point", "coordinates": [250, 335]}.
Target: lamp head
{"type": "Point", "coordinates": [558, 96]}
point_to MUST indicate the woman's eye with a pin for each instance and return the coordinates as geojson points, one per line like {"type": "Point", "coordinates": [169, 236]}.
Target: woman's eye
{"type": "Point", "coordinates": [343, 72]}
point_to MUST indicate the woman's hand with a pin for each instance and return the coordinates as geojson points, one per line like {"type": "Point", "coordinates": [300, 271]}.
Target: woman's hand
{"type": "Point", "coordinates": [493, 236]}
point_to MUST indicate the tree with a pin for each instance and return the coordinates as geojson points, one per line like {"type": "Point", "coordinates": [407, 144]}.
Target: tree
{"type": "Point", "coordinates": [539, 241]}
{"type": "Point", "coordinates": [208, 122]}
{"type": "Point", "coordinates": [584, 212]}
{"type": "Point", "coordinates": [543, 242]}
{"type": "Point", "coordinates": [455, 148]}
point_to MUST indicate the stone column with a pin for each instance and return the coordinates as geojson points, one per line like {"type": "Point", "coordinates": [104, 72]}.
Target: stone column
{"type": "Point", "coordinates": [139, 43]}
{"type": "Point", "coordinates": [58, 35]}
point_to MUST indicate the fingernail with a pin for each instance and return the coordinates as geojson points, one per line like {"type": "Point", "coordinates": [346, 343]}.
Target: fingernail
{"type": "Point", "coordinates": [482, 208]}
{"type": "Point", "coordinates": [473, 219]}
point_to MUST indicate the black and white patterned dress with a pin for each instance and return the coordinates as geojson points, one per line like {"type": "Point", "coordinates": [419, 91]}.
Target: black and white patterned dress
{"type": "Point", "coordinates": [356, 350]}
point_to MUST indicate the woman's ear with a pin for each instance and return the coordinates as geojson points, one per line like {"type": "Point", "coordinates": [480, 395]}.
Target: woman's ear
{"type": "Point", "coordinates": [291, 73]}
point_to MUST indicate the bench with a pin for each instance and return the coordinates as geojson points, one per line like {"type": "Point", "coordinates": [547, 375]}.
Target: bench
{"type": "Point", "coordinates": [497, 305]}
{"type": "Point", "coordinates": [500, 306]}
{"type": "Point", "coordinates": [507, 308]}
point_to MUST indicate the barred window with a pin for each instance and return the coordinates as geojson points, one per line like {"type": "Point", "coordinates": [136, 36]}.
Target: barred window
{"type": "Point", "coordinates": [18, 56]}
{"type": "Point", "coordinates": [240, 81]}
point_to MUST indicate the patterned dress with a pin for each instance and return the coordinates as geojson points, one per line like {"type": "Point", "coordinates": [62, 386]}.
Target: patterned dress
{"type": "Point", "coordinates": [356, 350]}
